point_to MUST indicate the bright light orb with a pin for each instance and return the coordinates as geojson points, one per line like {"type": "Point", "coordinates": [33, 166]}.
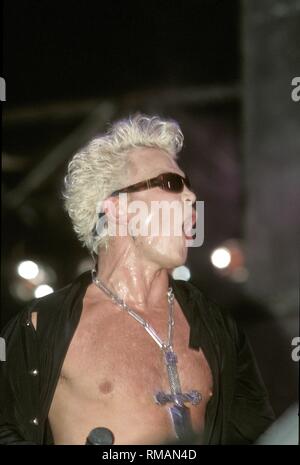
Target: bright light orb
{"type": "Point", "coordinates": [42, 289]}
{"type": "Point", "coordinates": [221, 257]}
{"type": "Point", "coordinates": [181, 272]}
{"type": "Point", "coordinates": [28, 269]}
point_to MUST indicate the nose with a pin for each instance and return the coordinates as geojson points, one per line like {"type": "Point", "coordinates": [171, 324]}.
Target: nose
{"type": "Point", "coordinates": [188, 196]}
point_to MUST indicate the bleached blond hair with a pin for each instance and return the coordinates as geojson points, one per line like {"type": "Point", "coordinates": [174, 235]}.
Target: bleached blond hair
{"type": "Point", "coordinates": [102, 167]}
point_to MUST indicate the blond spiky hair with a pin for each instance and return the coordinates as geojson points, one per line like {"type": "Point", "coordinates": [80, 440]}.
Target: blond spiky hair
{"type": "Point", "coordinates": [99, 168]}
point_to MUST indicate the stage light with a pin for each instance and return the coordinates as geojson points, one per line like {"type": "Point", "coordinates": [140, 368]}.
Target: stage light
{"type": "Point", "coordinates": [221, 257]}
{"type": "Point", "coordinates": [21, 290]}
{"type": "Point", "coordinates": [181, 272]}
{"type": "Point", "coordinates": [28, 269]}
{"type": "Point", "coordinates": [42, 290]}
{"type": "Point", "coordinates": [239, 275]}
{"type": "Point", "coordinates": [229, 261]}
{"type": "Point", "coordinates": [31, 279]}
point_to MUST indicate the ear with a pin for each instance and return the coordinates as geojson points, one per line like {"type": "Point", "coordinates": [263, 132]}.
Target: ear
{"type": "Point", "coordinates": [116, 209]}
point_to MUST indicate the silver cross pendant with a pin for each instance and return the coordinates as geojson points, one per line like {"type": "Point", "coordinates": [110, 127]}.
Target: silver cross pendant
{"type": "Point", "coordinates": [180, 414]}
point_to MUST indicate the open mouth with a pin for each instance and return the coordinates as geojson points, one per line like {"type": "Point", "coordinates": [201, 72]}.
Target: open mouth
{"type": "Point", "coordinates": [188, 226]}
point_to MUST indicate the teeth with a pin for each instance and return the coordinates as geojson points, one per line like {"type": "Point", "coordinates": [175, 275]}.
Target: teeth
{"type": "Point", "coordinates": [187, 228]}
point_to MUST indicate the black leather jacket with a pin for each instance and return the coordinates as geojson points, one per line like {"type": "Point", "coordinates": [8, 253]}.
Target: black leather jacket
{"type": "Point", "coordinates": [238, 412]}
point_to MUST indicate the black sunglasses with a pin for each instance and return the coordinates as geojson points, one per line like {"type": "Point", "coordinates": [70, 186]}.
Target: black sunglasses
{"type": "Point", "coordinates": [171, 182]}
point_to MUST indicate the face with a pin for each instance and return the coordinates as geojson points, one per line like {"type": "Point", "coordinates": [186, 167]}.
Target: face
{"type": "Point", "coordinates": [166, 247]}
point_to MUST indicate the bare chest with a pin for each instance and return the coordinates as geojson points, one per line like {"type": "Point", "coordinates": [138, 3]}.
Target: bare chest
{"type": "Point", "coordinates": [112, 371]}
{"type": "Point", "coordinates": [115, 357]}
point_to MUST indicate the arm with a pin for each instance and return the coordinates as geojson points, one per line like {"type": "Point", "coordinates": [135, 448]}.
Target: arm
{"type": "Point", "coordinates": [250, 412]}
{"type": "Point", "coordinates": [10, 429]}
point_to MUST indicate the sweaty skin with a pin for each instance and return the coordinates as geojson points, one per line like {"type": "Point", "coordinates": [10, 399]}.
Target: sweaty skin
{"type": "Point", "coordinates": [113, 367]}
{"type": "Point", "coordinates": [111, 372]}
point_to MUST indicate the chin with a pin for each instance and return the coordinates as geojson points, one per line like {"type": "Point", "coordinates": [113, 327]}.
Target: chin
{"type": "Point", "coordinates": [176, 257]}
{"type": "Point", "coordinates": [167, 254]}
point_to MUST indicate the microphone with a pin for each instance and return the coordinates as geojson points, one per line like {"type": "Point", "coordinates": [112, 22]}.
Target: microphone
{"type": "Point", "coordinates": [100, 437]}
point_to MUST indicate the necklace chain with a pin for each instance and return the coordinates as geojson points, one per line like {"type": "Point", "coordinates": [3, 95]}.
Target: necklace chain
{"type": "Point", "coordinates": [179, 412]}
{"type": "Point", "coordinates": [151, 331]}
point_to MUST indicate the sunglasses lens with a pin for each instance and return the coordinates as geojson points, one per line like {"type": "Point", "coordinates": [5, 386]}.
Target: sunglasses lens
{"type": "Point", "coordinates": [173, 182]}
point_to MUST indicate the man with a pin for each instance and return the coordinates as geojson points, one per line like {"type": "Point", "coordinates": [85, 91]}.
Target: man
{"type": "Point", "coordinates": [126, 347]}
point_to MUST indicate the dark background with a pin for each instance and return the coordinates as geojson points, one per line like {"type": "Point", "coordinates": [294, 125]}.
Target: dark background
{"type": "Point", "coordinates": [221, 68]}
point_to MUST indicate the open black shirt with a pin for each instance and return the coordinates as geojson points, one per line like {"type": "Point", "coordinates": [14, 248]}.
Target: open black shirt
{"type": "Point", "coordinates": [237, 413]}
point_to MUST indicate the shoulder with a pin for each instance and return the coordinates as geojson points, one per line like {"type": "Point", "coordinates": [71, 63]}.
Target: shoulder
{"type": "Point", "coordinates": [34, 307]}
{"type": "Point", "coordinates": [48, 306]}
{"type": "Point", "coordinates": [49, 301]}
{"type": "Point", "coordinates": [57, 298]}
{"type": "Point", "coordinates": [218, 318]}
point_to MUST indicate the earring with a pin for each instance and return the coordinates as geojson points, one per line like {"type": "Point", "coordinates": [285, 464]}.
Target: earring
{"type": "Point", "coordinates": [101, 223]}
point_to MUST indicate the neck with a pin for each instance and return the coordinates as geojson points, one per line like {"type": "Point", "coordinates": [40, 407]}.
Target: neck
{"type": "Point", "coordinates": [141, 284]}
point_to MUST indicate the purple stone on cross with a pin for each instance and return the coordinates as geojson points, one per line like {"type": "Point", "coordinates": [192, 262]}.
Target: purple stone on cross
{"type": "Point", "coordinates": [179, 412]}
